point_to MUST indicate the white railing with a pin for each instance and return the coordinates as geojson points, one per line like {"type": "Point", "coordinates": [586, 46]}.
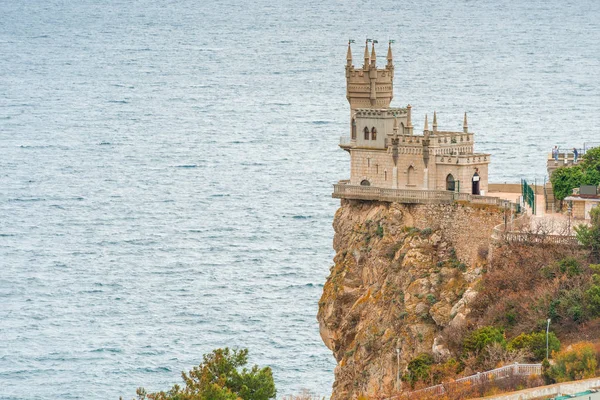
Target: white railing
{"type": "Point", "coordinates": [507, 371]}
{"type": "Point", "coordinates": [499, 234]}
{"type": "Point", "coordinates": [344, 190]}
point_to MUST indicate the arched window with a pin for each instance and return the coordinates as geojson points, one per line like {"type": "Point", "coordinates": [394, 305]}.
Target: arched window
{"type": "Point", "coordinates": [353, 129]}
{"type": "Point", "coordinates": [366, 131]}
{"type": "Point", "coordinates": [450, 183]}
{"type": "Point", "coordinates": [373, 133]}
{"type": "Point", "coordinates": [365, 182]}
{"type": "Point", "coordinates": [385, 175]}
{"type": "Point", "coordinates": [410, 176]}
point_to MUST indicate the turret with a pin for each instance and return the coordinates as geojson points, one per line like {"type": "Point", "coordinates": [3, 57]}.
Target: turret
{"type": "Point", "coordinates": [349, 55]}
{"type": "Point", "coordinates": [426, 126]}
{"type": "Point", "coordinates": [465, 124]}
{"type": "Point", "coordinates": [409, 125]}
{"type": "Point", "coordinates": [390, 60]}
{"type": "Point", "coordinates": [369, 86]}
{"type": "Point", "coordinates": [373, 56]}
{"type": "Point", "coordinates": [434, 122]}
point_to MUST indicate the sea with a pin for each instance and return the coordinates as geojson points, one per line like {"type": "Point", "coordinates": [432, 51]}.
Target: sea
{"type": "Point", "coordinates": [166, 166]}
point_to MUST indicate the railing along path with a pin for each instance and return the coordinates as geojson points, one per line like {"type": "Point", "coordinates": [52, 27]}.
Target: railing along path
{"type": "Point", "coordinates": [507, 371]}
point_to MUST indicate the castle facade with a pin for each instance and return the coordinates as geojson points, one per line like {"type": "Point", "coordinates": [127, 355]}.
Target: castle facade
{"type": "Point", "coordinates": [384, 150]}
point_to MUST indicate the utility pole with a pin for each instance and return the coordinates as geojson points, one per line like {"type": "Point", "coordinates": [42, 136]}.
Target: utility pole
{"type": "Point", "coordinates": [547, 332]}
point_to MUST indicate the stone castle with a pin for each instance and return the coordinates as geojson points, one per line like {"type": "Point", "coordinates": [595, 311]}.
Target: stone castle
{"type": "Point", "coordinates": [384, 150]}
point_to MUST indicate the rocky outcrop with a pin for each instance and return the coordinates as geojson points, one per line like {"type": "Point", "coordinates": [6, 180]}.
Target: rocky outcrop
{"type": "Point", "coordinates": [402, 274]}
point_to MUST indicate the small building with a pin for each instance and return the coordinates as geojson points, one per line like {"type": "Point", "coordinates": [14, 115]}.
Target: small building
{"type": "Point", "coordinates": [386, 153]}
{"type": "Point", "coordinates": [582, 201]}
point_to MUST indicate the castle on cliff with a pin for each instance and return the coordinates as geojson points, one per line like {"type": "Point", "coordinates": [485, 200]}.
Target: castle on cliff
{"type": "Point", "coordinates": [384, 150]}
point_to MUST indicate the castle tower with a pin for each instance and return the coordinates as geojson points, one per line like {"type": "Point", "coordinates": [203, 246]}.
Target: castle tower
{"type": "Point", "coordinates": [369, 87]}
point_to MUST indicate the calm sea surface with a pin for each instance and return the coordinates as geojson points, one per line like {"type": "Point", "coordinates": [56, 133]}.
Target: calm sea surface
{"type": "Point", "coordinates": [166, 166]}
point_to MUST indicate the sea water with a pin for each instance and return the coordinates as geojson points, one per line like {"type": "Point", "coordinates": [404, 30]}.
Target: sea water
{"type": "Point", "coordinates": [166, 166]}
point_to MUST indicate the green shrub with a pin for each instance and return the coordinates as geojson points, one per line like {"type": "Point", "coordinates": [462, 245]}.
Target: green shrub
{"type": "Point", "coordinates": [477, 340]}
{"type": "Point", "coordinates": [419, 368]}
{"type": "Point", "coordinates": [535, 343]}
{"type": "Point", "coordinates": [431, 299]}
{"type": "Point", "coordinates": [576, 362]}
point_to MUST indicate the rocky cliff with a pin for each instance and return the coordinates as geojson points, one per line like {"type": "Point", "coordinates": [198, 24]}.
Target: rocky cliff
{"type": "Point", "coordinates": [403, 274]}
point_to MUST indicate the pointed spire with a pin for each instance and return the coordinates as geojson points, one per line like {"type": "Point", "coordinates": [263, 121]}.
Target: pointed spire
{"type": "Point", "coordinates": [426, 126]}
{"type": "Point", "coordinates": [390, 59]}
{"type": "Point", "coordinates": [367, 59]}
{"type": "Point", "coordinates": [434, 122]}
{"type": "Point", "coordinates": [373, 56]}
{"type": "Point", "coordinates": [465, 124]}
{"type": "Point", "coordinates": [349, 55]}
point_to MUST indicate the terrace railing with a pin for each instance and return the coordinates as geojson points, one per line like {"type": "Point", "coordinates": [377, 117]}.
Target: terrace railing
{"type": "Point", "coordinates": [343, 190]}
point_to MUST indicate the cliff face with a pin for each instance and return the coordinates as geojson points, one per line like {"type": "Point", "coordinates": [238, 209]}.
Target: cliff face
{"type": "Point", "coordinates": [402, 274]}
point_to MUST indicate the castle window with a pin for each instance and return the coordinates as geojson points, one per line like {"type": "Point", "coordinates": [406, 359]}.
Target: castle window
{"type": "Point", "coordinates": [366, 131]}
{"type": "Point", "coordinates": [385, 175]}
{"type": "Point", "coordinates": [365, 182]}
{"type": "Point", "coordinates": [368, 163]}
{"type": "Point", "coordinates": [410, 176]}
{"type": "Point", "coordinates": [373, 133]}
{"type": "Point", "coordinates": [353, 129]}
{"type": "Point", "coordinates": [450, 183]}
{"type": "Point", "coordinates": [377, 168]}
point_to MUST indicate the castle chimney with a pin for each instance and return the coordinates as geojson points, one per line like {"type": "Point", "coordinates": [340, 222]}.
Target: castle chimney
{"type": "Point", "coordinates": [367, 59]}
{"type": "Point", "coordinates": [465, 124]}
{"type": "Point", "coordinates": [434, 122]}
{"type": "Point", "coordinates": [426, 126]}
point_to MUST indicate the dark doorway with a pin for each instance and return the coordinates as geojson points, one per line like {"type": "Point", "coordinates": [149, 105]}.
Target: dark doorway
{"type": "Point", "coordinates": [450, 183]}
{"type": "Point", "coordinates": [365, 182]}
{"type": "Point", "coordinates": [475, 188]}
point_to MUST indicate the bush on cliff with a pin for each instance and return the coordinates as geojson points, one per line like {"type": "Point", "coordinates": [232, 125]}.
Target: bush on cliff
{"type": "Point", "coordinates": [589, 236]}
{"type": "Point", "coordinates": [535, 343]}
{"type": "Point", "coordinates": [419, 369]}
{"type": "Point", "coordinates": [479, 339]}
{"type": "Point", "coordinates": [576, 362]}
{"type": "Point", "coordinates": [219, 378]}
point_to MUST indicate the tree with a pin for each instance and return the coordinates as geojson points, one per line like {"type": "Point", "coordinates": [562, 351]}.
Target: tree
{"type": "Point", "coordinates": [589, 236]}
{"type": "Point", "coordinates": [591, 159]}
{"type": "Point", "coordinates": [565, 179]}
{"type": "Point", "coordinates": [535, 343]}
{"type": "Point", "coordinates": [576, 362]}
{"type": "Point", "coordinates": [219, 378]}
{"type": "Point", "coordinates": [480, 338]}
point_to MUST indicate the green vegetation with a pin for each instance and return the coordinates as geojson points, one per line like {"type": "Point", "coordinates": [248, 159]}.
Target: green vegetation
{"type": "Point", "coordinates": [535, 343]}
{"type": "Point", "coordinates": [577, 362]}
{"type": "Point", "coordinates": [565, 179]}
{"type": "Point", "coordinates": [418, 368]}
{"type": "Point", "coordinates": [219, 378]}
{"type": "Point", "coordinates": [589, 236]}
{"type": "Point", "coordinates": [479, 339]}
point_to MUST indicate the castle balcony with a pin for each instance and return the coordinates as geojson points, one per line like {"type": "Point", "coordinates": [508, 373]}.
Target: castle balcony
{"type": "Point", "coordinates": [343, 190]}
{"type": "Point", "coordinates": [347, 143]}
